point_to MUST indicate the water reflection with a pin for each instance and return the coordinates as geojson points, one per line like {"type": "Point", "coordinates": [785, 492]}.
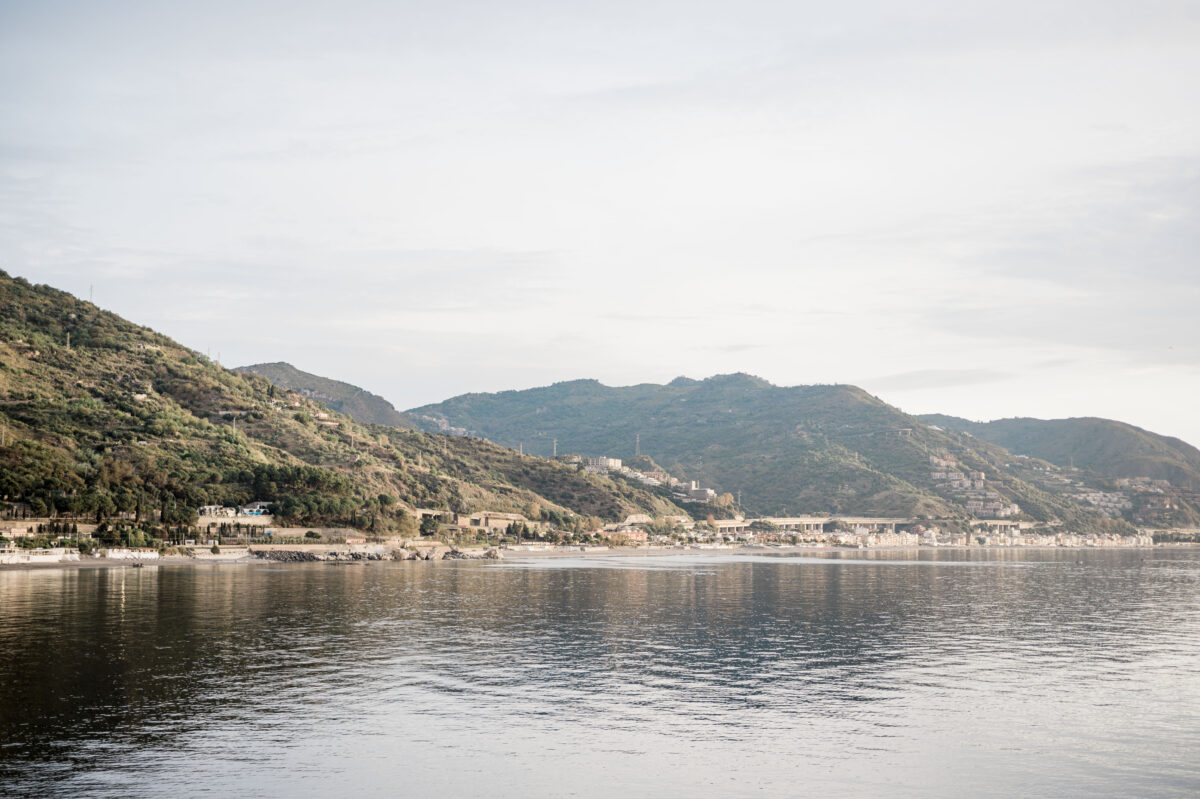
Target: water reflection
{"type": "Point", "coordinates": [990, 673]}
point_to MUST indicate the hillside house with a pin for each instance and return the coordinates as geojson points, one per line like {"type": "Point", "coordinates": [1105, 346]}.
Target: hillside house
{"type": "Point", "coordinates": [493, 522]}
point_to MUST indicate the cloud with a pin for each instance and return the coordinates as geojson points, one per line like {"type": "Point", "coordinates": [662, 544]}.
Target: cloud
{"type": "Point", "coordinates": [735, 348]}
{"type": "Point", "coordinates": [1122, 224]}
{"type": "Point", "coordinates": [1108, 266]}
{"type": "Point", "coordinates": [934, 378]}
{"type": "Point", "coordinates": [943, 195]}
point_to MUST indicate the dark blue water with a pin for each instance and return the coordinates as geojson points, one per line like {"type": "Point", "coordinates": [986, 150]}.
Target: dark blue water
{"type": "Point", "coordinates": [1061, 673]}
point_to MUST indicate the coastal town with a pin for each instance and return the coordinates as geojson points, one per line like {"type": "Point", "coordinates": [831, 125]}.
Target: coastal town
{"type": "Point", "coordinates": [227, 533]}
{"type": "Point", "coordinates": [224, 533]}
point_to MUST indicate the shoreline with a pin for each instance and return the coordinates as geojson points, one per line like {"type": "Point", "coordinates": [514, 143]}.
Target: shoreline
{"type": "Point", "coordinates": [539, 554]}
{"type": "Point", "coordinates": [778, 552]}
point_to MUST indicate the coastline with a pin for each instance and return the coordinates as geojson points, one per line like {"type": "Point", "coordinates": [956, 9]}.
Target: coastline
{"type": "Point", "coordinates": [476, 554]}
{"type": "Point", "coordinates": [799, 552]}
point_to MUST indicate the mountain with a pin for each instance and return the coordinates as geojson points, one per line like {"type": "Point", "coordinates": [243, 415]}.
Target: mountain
{"type": "Point", "coordinates": [1104, 446]}
{"type": "Point", "coordinates": [800, 449]}
{"type": "Point", "coordinates": [101, 416]}
{"type": "Point", "coordinates": [357, 403]}
{"type": "Point", "coordinates": [1155, 479]}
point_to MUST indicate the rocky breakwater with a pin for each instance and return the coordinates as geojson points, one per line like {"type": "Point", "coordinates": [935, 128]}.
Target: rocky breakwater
{"type": "Point", "coordinates": [473, 554]}
{"type": "Point", "coordinates": [309, 556]}
{"type": "Point", "coordinates": [446, 553]}
{"type": "Point", "coordinates": [315, 555]}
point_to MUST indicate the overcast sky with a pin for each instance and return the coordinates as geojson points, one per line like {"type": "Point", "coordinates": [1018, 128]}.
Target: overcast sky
{"type": "Point", "coordinates": [986, 209]}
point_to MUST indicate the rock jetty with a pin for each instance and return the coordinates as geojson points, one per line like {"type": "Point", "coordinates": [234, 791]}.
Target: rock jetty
{"type": "Point", "coordinates": [334, 556]}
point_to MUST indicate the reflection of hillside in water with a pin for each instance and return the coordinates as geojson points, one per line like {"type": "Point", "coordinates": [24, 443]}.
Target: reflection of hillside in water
{"type": "Point", "coordinates": [107, 664]}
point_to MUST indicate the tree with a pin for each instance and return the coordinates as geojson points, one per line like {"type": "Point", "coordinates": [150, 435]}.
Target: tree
{"type": "Point", "coordinates": [104, 506]}
{"type": "Point", "coordinates": [429, 525]}
{"type": "Point", "coordinates": [406, 525]}
{"type": "Point", "coordinates": [455, 500]}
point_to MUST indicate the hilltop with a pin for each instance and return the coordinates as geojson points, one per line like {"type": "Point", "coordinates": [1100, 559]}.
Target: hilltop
{"type": "Point", "coordinates": [800, 449]}
{"type": "Point", "coordinates": [357, 403]}
{"type": "Point", "coordinates": [103, 417]}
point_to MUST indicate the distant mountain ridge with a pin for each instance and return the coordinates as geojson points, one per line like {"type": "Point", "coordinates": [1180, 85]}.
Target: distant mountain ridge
{"type": "Point", "coordinates": [1104, 446]}
{"type": "Point", "coordinates": [820, 448]}
{"type": "Point", "coordinates": [797, 449]}
{"type": "Point", "coordinates": [357, 403]}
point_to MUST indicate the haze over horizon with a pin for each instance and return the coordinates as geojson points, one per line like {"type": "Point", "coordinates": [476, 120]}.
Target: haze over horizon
{"type": "Point", "coordinates": [984, 211]}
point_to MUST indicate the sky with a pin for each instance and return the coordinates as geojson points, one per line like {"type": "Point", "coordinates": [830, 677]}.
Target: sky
{"type": "Point", "coordinates": [986, 209]}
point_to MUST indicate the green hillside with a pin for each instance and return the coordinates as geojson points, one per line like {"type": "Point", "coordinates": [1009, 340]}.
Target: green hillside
{"type": "Point", "coordinates": [799, 449]}
{"type": "Point", "coordinates": [357, 403]}
{"type": "Point", "coordinates": [1104, 446]}
{"type": "Point", "coordinates": [104, 418]}
{"type": "Point", "coordinates": [1159, 476]}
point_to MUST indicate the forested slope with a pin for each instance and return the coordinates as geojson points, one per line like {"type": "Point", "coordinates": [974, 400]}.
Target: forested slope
{"type": "Point", "coordinates": [100, 416]}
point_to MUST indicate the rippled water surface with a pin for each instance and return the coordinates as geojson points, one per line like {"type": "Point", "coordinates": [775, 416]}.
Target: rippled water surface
{"type": "Point", "coordinates": [1052, 673]}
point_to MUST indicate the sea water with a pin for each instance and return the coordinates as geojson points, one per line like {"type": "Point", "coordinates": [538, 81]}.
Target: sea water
{"type": "Point", "coordinates": [1059, 673]}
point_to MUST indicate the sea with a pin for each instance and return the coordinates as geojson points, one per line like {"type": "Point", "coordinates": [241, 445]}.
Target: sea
{"type": "Point", "coordinates": [931, 673]}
